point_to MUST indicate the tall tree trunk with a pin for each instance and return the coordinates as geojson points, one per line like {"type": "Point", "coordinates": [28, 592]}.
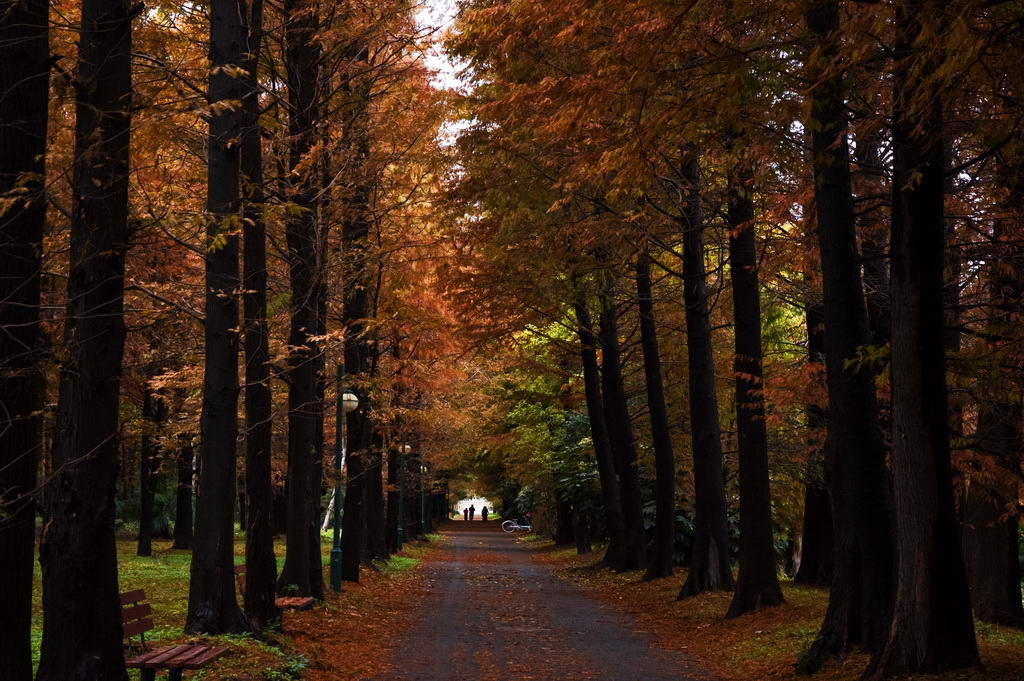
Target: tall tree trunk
{"type": "Point", "coordinates": [989, 508]}
{"type": "Point", "coordinates": [599, 436]}
{"type": "Point", "coordinates": [393, 503]}
{"type": "Point", "coordinates": [581, 530]}
{"type": "Point", "coordinates": [991, 522]}
{"type": "Point", "coordinates": [868, 184]}
{"type": "Point", "coordinates": [564, 529]}
{"type": "Point", "coordinates": [709, 560]}
{"type": "Point", "coordinates": [355, 320]}
{"type": "Point", "coordinates": [816, 544]}
{"type": "Point", "coordinates": [82, 633]}
{"type": "Point", "coordinates": [316, 557]}
{"type": "Point", "coordinates": [183, 495]}
{"type": "Point", "coordinates": [664, 458]}
{"type": "Point", "coordinates": [932, 628]}
{"type": "Point", "coordinates": [316, 483]}
{"type": "Point", "coordinates": [758, 582]}
{"type": "Point", "coordinates": [376, 533]}
{"type": "Point", "coordinates": [148, 465]}
{"type": "Point", "coordinates": [816, 539]}
{"type": "Point", "coordinates": [240, 487]}
{"type": "Point", "coordinates": [212, 606]}
{"type": "Point", "coordinates": [861, 591]}
{"type": "Point", "coordinates": [302, 55]}
{"type": "Point", "coordinates": [260, 564]}
{"type": "Point", "coordinates": [355, 231]}
{"type": "Point", "coordinates": [620, 432]}
{"type": "Point", "coordinates": [24, 89]}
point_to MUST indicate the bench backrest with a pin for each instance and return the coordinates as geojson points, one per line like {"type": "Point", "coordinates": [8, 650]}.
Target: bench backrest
{"type": "Point", "coordinates": [135, 615]}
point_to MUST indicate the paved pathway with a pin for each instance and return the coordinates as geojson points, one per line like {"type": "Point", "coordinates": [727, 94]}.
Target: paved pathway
{"type": "Point", "coordinates": [493, 613]}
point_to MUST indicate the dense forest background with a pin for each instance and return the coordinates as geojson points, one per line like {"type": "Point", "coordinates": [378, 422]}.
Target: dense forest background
{"type": "Point", "coordinates": [729, 290]}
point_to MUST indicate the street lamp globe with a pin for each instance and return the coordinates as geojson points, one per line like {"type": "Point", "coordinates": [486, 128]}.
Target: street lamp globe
{"type": "Point", "coordinates": [349, 402]}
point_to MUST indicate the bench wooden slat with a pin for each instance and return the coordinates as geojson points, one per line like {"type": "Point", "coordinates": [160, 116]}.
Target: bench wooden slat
{"type": "Point", "coordinates": [135, 596]}
{"type": "Point", "coordinates": [136, 620]}
{"type": "Point", "coordinates": [159, 661]}
{"type": "Point", "coordinates": [147, 659]}
{"type": "Point", "coordinates": [200, 661]}
{"type": "Point", "coordinates": [184, 656]}
{"type": "Point", "coordinates": [137, 661]}
{"type": "Point", "coordinates": [295, 602]}
{"type": "Point", "coordinates": [137, 627]}
{"type": "Point", "coordinates": [136, 612]}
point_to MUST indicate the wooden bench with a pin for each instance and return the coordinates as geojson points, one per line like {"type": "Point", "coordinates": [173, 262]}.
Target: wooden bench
{"type": "Point", "coordinates": [283, 602]}
{"type": "Point", "coordinates": [135, 614]}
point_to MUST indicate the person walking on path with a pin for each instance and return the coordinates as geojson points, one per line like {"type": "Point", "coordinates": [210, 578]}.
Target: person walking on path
{"type": "Point", "coordinates": [465, 514]}
{"type": "Point", "coordinates": [472, 512]}
{"type": "Point", "coordinates": [483, 514]}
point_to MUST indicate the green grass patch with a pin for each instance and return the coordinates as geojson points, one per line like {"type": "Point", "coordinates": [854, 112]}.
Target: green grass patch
{"type": "Point", "coordinates": [164, 577]}
{"type": "Point", "coordinates": [993, 633]}
{"type": "Point", "coordinates": [396, 564]}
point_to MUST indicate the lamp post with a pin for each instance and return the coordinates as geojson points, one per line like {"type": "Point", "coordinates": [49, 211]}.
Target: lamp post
{"type": "Point", "coordinates": [403, 451]}
{"type": "Point", "coordinates": [344, 403]}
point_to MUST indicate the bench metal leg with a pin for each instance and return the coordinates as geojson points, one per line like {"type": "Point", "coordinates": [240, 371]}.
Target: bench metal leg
{"type": "Point", "coordinates": [173, 675]}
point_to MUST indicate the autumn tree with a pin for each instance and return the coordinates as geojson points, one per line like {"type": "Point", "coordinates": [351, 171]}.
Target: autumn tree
{"type": "Point", "coordinates": [861, 590]}
{"type": "Point", "coordinates": [82, 636]}
{"type": "Point", "coordinates": [24, 92]}
{"type": "Point", "coordinates": [709, 562]}
{"type": "Point", "coordinates": [932, 627]}
{"type": "Point", "coordinates": [212, 606]}
{"type": "Point", "coordinates": [757, 584]}
{"type": "Point", "coordinates": [260, 563]}
{"type": "Point", "coordinates": [660, 564]}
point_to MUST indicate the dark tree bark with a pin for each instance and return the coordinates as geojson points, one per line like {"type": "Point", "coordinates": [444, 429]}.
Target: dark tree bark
{"type": "Point", "coordinates": [664, 458]}
{"type": "Point", "coordinates": [302, 54]}
{"type": "Point", "coordinates": [393, 503]}
{"type": "Point", "coordinates": [581, 530]}
{"type": "Point", "coordinates": [620, 432]}
{"type": "Point", "coordinates": [355, 231]}
{"type": "Point", "coordinates": [758, 582]}
{"type": "Point", "coordinates": [564, 529]}
{"type": "Point", "coordinates": [82, 633]}
{"type": "Point", "coordinates": [412, 499]}
{"type": "Point", "coordinates": [411, 502]}
{"type": "Point", "coordinates": [861, 592]}
{"type": "Point", "coordinates": [24, 89]}
{"type": "Point", "coordinates": [316, 558]}
{"type": "Point", "coordinates": [932, 628]}
{"type": "Point", "coordinates": [816, 558]}
{"type": "Point", "coordinates": [376, 534]}
{"type": "Point", "coordinates": [989, 508]}
{"type": "Point", "coordinates": [183, 496]}
{"type": "Point", "coordinates": [212, 606]}
{"type": "Point", "coordinates": [152, 415]}
{"type": "Point", "coordinates": [816, 543]}
{"type": "Point", "coordinates": [260, 564]}
{"type": "Point", "coordinates": [869, 180]}
{"type": "Point", "coordinates": [599, 436]}
{"type": "Point", "coordinates": [240, 486]}
{"type": "Point", "coordinates": [709, 559]}
{"type": "Point", "coordinates": [991, 523]}
{"type": "Point", "coordinates": [355, 320]}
